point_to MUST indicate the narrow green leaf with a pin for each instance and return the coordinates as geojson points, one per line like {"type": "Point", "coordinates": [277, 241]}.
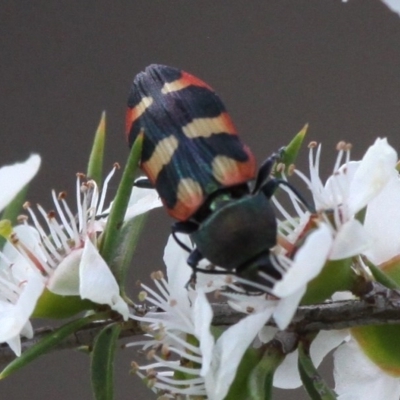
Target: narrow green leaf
{"type": "Point", "coordinates": [13, 210]}
{"type": "Point", "coordinates": [103, 362]}
{"type": "Point", "coordinates": [125, 248]}
{"type": "Point", "coordinates": [95, 164]}
{"type": "Point", "coordinates": [112, 233]}
{"type": "Point", "coordinates": [291, 151]}
{"type": "Point", "coordinates": [381, 277]}
{"type": "Point", "coordinates": [316, 387]}
{"type": "Point", "coordinates": [239, 387]}
{"type": "Point", "coordinates": [46, 344]}
{"type": "Point", "coordinates": [261, 377]}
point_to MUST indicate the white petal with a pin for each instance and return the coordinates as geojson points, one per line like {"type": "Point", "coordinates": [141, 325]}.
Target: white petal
{"type": "Point", "coordinates": [65, 279]}
{"type": "Point", "coordinates": [15, 345]}
{"type": "Point", "coordinates": [376, 169]}
{"type": "Point", "coordinates": [27, 331]}
{"type": "Point", "coordinates": [229, 351]}
{"type": "Point", "coordinates": [141, 201]}
{"type": "Point", "coordinates": [356, 377]}
{"type": "Point", "coordinates": [15, 342]}
{"type": "Point", "coordinates": [351, 239]}
{"type": "Point", "coordinates": [394, 5]}
{"type": "Point", "coordinates": [382, 223]}
{"type": "Point", "coordinates": [307, 263]}
{"type": "Point", "coordinates": [14, 177]}
{"type": "Point", "coordinates": [209, 282]}
{"type": "Point", "coordinates": [13, 317]}
{"type": "Point", "coordinates": [287, 374]}
{"type": "Point", "coordinates": [325, 342]}
{"type": "Point", "coordinates": [203, 315]}
{"type": "Point", "coordinates": [287, 307]}
{"type": "Point", "coordinates": [338, 185]}
{"type": "Point", "coordinates": [178, 271]}
{"type": "Point", "coordinates": [267, 333]}
{"type": "Point", "coordinates": [97, 283]}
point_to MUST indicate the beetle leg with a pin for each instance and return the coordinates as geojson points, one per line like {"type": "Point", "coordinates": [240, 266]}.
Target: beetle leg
{"type": "Point", "coordinates": [183, 227]}
{"type": "Point", "coordinates": [193, 260]}
{"type": "Point", "coordinates": [266, 168]}
{"type": "Point", "coordinates": [143, 183]}
{"type": "Point", "coordinates": [187, 227]}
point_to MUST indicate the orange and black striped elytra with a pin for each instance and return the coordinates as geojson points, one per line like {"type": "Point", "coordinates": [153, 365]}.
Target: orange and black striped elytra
{"type": "Point", "coordinates": [205, 175]}
{"type": "Point", "coordinates": [190, 148]}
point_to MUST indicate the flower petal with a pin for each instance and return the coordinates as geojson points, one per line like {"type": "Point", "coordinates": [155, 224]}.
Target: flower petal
{"type": "Point", "coordinates": [382, 223]}
{"type": "Point", "coordinates": [287, 374]}
{"type": "Point", "coordinates": [287, 307]}
{"type": "Point", "coordinates": [97, 283]}
{"type": "Point", "coordinates": [178, 271]}
{"type": "Point", "coordinates": [229, 351]}
{"type": "Point", "coordinates": [376, 169]}
{"type": "Point", "coordinates": [65, 279]}
{"type": "Point", "coordinates": [356, 377]}
{"type": "Point", "coordinates": [14, 317]}
{"type": "Point", "coordinates": [307, 263]}
{"type": "Point", "coordinates": [351, 239]}
{"type": "Point", "coordinates": [394, 5]}
{"type": "Point", "coordinates": [141, 201]}
{"type": "Point", "coordinates": [325, 342]}
{"type": "Point", "coordinates": [14, 177]}
{"type": "Point", "coordinates": [203, 316]}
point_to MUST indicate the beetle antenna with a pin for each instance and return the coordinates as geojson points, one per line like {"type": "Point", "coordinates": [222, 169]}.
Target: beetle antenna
{"type": "Point", "coordinates": [180, 243]}
{"type": "Point", "coordinates": [270, 187]}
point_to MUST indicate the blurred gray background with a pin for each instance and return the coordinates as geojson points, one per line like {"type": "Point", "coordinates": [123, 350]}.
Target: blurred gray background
{"type": "Point", "coordinates": [276, 63]}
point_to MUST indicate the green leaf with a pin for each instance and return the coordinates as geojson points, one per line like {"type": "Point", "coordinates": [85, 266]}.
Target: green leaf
{"type": "Point", "coordinates": [261, 377]}
{"type": "Point", "coordinates": [112, 232]}
{"type": "Point", "coordinates": [125, 248]}
{"type": "Point", "coordinates": [46, 344]}
{"type": "Point", "coordinates": [316, 387]}
{"type": "Point", "coordinates": [291, 151]}
{"type": "Point", "coordinates": [239, 387]}
{"type": "Point", "coordinates": [103, 362]}
{"type": "Point", "coordinates": [13, 210]}
{"type": "Point", "coordinates": [382, 278]}
{"type": "Point", "coordinates": [95, 165]}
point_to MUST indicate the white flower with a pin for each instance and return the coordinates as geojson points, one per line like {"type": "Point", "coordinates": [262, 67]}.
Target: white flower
{"type": "Point", "coordinates": [187, 313]}
{"type": "Point", "coordinates": [18, 296]}
{"type": "Point", "coordinates": [351, 187]}
{"type": "Point", "coordinates": [357, 377]}
{"type": "Point", "coordinates": [65, 254]}
{"type": "Point", "coordinates": [17, 302]}
{"type": "Point", "coordinates": [352, 184]}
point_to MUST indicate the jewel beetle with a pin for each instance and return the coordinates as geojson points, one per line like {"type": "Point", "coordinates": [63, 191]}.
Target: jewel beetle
{"type": "Point", "coordinates": [205, 175]}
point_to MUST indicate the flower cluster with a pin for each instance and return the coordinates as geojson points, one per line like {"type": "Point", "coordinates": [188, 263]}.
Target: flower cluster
{"type": "Point", "coordinates": [51, 265]}
{"type": "Point", "coordinates": [354, 218]}
{"type": "Point", "coordinates": [56, 256]}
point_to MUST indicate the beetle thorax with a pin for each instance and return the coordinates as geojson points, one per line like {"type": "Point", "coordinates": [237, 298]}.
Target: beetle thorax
{"type": "Point", "coordinates": [238, 231]}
